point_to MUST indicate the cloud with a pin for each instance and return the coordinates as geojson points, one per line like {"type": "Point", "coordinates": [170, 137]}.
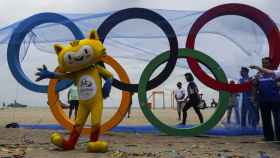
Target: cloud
{"type": "Point", "coordinates": [13, 10]}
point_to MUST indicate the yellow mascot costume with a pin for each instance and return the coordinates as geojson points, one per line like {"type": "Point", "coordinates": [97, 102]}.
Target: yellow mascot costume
{"type": "Point", "coordinates": [78, 60]}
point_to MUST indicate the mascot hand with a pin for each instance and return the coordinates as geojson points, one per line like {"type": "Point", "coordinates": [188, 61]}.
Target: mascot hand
{"type": "Point", "coordinates": [107, 88]}
{"type": "Point", "coordinates": [44, 73]}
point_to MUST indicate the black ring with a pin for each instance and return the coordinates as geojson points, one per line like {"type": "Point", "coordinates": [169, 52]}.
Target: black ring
{"type": "Point", "coordinates": [149, 15]}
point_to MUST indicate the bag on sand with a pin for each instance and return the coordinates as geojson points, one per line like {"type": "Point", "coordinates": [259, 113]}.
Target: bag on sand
{"type": "Point", "coordinates": [12, 125]}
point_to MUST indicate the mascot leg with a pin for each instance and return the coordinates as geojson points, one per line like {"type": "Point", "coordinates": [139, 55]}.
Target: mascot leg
{"type": "Point", "coordinates": [69, 144]}
{"type": "Point", "coordinates": [73, 138]}
{"type": "Point", "coordinates": [95, 133]}
{"type": "Point", "coordinates": [94, 145]}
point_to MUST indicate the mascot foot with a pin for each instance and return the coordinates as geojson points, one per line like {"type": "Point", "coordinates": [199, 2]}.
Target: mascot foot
{"type": "Point", "coordinates": [57, 140]}
{"type": "Point", "coordinates": [97, 147]}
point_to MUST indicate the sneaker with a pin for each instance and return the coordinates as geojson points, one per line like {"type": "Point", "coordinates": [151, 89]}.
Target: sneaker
{"type": "Point", "coordinates": [181, 124]}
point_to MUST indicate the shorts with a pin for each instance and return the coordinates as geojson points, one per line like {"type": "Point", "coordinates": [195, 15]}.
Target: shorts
{"type": "Point", "coordinates": [74, 104]}
{"type": "Point", "coordinates": [180, 105]}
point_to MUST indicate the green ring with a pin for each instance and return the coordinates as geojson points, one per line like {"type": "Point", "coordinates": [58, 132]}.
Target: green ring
{"type": "Point", "coordinates": [197, 130]}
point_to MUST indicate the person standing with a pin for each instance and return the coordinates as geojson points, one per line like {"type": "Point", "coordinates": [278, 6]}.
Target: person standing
{"type": "Point", "coordinates": [248, 110]}
{"type": "Point", "coordinates": [180, 98]}
{"type": "Point", "coordinates": [233, 104]}
{"type": "Point", "coordinates": [268, 98]}
{"type": "Point", "coordinates": [192, 100]}
{"type": "Point", "coordinates": [130, 104]}
{"type": "Point", "coordinates": [73, 100]}
{"type": "Point", "coordinates": [213, 103]}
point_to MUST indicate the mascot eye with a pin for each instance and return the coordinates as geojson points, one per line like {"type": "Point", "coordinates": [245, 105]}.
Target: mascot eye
{"type": "Point", "coordinates": [86, 50]}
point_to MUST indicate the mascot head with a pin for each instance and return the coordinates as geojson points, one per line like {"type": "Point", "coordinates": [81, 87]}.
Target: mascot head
{"type": "Point", "coordinates": [80, 54]}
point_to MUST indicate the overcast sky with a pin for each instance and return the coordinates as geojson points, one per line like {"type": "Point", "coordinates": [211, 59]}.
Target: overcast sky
{"type": "Point", "coordinates": [14, 10]}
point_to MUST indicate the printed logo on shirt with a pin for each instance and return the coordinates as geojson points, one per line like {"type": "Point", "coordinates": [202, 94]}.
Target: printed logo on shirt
{"type": "Point", "coordinates": [87, 87]}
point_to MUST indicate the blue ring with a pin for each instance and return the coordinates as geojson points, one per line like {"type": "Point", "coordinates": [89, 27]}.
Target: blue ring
{"type": "Point", "coordinates": [155, 18]}
{"type": "Point", "coordinates": [17, 38]}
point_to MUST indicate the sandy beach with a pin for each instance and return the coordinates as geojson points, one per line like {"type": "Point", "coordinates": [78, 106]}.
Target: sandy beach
{"type": "Point", "coordinates": [43, 115]}
{"type": "Point", "coordinates": [36, 143]}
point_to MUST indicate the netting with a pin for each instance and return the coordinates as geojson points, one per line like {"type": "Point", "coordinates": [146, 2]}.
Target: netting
{"type": "Point", "coordinates": [142, 40]}
{"type": "Point", "coordinates": [232, 41]}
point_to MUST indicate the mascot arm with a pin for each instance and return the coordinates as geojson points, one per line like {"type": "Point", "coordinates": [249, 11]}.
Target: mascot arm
{"type": "Point", "coordinates": [108, 81]}
{"type": "Point", "coordinates": [44, 73]}
{"type": "Point", "coordinates": [105, 73]}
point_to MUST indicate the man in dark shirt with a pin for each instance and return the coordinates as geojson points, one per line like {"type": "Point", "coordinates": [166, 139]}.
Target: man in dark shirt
{"type": "Point", "coordinates": [268, 97]}
{"type": "Point", "coordinates": [192, 100]}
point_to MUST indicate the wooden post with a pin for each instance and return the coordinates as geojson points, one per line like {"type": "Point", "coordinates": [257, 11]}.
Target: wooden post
{"type": "Point", "coordinates": [163, 100]}
{"type": "Point", "coordinates": [153, 95]}
{"type": "Point", "coordinates": [154, 106]}
{"type": "Point", "coordinates": [172, 100]}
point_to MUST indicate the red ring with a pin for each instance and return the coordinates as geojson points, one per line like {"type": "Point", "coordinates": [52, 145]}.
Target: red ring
{"type": "Point", "coordinates": [260, 18]}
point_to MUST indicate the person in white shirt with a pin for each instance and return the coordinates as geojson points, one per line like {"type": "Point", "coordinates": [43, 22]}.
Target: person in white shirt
{"type": "Point", "coordinates": [180, 98]}
{"type": "Point", "coordinates": [73, 100]}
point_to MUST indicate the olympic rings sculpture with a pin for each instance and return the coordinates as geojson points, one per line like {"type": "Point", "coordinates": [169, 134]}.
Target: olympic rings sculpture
{"type": "Point", "coordinates": [220, 83]}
